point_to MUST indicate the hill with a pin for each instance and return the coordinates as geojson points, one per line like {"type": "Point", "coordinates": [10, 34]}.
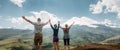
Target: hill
{"type": "Point", "coordinates": [114, 39]}
{"type": "Point", "coordinates": [98, 47]}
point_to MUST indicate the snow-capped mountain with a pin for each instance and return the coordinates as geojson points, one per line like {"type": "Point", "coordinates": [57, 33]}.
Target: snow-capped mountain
{"type": "Point", "coordinates": [109, 23]}
{"type": "Point", "coordinates": [82, 21]}
{"type": "Point", "coordinates": [90, 22]}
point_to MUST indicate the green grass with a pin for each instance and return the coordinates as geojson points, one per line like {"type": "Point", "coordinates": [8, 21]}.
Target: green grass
{"type": "Point", "coordinates": [11, 42]}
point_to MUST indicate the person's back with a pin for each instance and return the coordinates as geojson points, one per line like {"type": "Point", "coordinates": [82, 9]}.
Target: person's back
{"type": "Point", "coordinates": [66, 37]}
{"type": "Point", "coordinates": [55, 31]}
{"type": "Point", "coordinates": [38, 27]}
{"type": "Point", "coordinates": [66, 33]}
{"type": "Point", "coordinates": [55, 35]}
{"type": "Point", "coordinates": [38, 32]}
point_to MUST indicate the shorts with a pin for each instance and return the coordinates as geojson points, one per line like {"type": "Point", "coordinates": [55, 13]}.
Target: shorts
{"type": "Point", "coordinates": [38, 39]}
{"type": "Point", "coordinates": [55, 39]}
{"type": "Point", "coordinates": [66, 41]}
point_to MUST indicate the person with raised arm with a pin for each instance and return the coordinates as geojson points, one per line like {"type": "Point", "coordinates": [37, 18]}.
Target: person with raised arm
{"type": "Point", "coordinates": [66, 37]}
{"type": "Point", "coordinates": [55, 29]}
{"type": "Point", "coordinates": [38, 26]}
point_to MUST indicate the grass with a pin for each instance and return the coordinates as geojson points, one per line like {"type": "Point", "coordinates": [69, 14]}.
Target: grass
{"type": "Point", "coordinates": [13, 42]}
{"type": "Point", "coordinates": [26, 43]}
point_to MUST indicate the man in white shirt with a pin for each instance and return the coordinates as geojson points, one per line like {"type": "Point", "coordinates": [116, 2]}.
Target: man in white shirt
{"type": "Point", "coordinates": [38, 31]}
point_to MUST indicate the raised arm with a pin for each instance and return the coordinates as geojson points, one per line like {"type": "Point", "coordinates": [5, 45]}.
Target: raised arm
{"type": "Point", "coordinates": [58, 24]}
{"type": "Point", "coordinates": [47, 22]}
{"type": "Point", "coordinates": [71, 25]}
{"type": "Point", "coordinates": [51, 24]}
{"type": "Point", "coordinates": [61, 27]}
{"type": "Point", "coordinates": [26, 19]}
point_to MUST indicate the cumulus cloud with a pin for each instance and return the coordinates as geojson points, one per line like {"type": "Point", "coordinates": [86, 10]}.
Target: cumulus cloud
{"type": "Point", "coordinates": [83, 21]}
{"type": "Point", "coordinates": [44, 15]}
{"type": "Point", "coordinates": [96, 8]}
{"type": "Point", "coordinates": [109, 23]}
{"type": "Point", "coordinates": [106, 6]}
{"type": "Point", "coordinates": [90, 22]}
{"type": "Point", "coordinates": [19, 20]}
{"type": "Point", "coordinates": [18, 2]}
{"type": "Point", "coordinates": [16, 20]}
{"type": "Point", "coordinates": [22, 24]}
{"type": "Point", "coordinates": [19, 23]}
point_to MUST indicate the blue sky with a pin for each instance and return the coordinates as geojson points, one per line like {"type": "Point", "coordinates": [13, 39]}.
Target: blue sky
{"type": "Point", "coordinates": [61, 8]}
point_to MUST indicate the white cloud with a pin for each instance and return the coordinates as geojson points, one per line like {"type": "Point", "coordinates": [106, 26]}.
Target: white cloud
{"type": "Point", "coordinates": [90, 22]}
{"type": "Point", "coordinates": [109, 6]}
{"type": "Point", "coordinates": [44, 15]}
{"type": "Point", "coordinates": [19, 23]}
{"type": "Point", "coordinates": [109, 23]}
{"type": "Point", "coordinates": [18, 2]}
{"type": "Point", "coordinates": [82, 21]}
{"type": "Point", "coordinates": [96, 9]}
{"type": "Point", "coordinates": [16, 20]}
{"type": "Point", "coordinates": [1, 27]}
{"type": "Point", "coordinates": [19, 20]}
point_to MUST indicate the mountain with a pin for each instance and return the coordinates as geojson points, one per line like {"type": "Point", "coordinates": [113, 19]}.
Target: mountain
{"type": "Point", "coordinates": [9, 32]}
{"type": "Point", "coordinates": [82, 21]}
{"type": "Point", "coordinates": [92, 35]}
{"type": "Point", "coordinates": [114, 39]}
{"type": "Point", "coordinates": [85, 30]}
{"type": "Point", "coordinates": [91, 31]}
{"type": "Point", "coordinates": [79, 34]}
{"type": "Point", "coordinates": [91, 22]}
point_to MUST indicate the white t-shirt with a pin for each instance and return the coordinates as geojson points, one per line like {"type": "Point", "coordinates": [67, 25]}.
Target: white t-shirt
{"type": "Point", "coordinates": [38, 27]}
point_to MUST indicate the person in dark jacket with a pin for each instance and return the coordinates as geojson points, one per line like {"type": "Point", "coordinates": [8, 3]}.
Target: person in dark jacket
{"type": "Point", "coordinates": [55, 29]}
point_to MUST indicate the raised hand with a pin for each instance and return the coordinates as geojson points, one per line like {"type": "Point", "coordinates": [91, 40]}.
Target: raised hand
{"type": "Point", "coordinates": [49, 20]}
{"type": "Point", "coordinates": [58, 21]}
{"type": "Point", "coordinates": [23, 17]}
